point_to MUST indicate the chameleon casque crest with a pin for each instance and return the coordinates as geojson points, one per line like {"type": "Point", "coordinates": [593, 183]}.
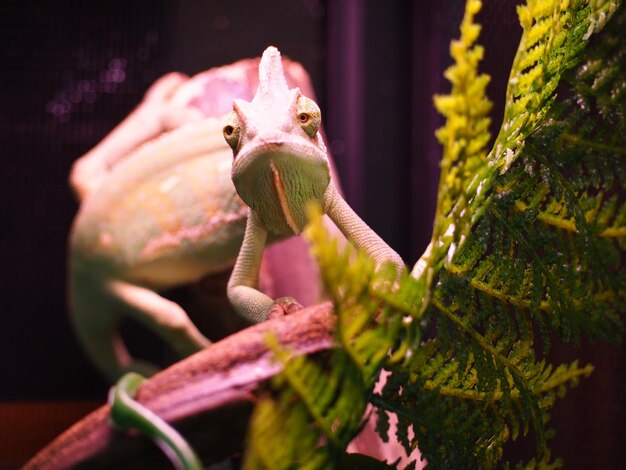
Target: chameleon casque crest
{"type": "Point", "coordinates": [280, 161]}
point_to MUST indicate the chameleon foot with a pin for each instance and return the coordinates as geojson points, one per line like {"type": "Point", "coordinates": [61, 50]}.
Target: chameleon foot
{"type": "Point", "coordinates": [127, 414]}
{"type": "Point", "coordinates": [283, 306]}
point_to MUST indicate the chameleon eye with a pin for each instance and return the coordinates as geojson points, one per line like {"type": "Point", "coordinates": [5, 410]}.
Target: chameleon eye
{"type": "Point", "coordinates": [232, 130]}
{"type": "Point", "coordinates": [308, 115]}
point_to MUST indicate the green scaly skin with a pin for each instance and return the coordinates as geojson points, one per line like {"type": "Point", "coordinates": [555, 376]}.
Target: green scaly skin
{"type": "Point", "coordinates": [280, 167]}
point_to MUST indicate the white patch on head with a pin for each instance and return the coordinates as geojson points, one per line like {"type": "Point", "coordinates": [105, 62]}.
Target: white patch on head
{"type": "Point", "coordinates": [272, 80]}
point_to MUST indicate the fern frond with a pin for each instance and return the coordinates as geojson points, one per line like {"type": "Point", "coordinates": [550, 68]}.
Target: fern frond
{"type": "Point", "coordinates": [324, 405]}
{"type": "Point", "coordinates": [460, 422]}
{"type": "Point", "coordinates": [529, 236]}
{"type": "Point", "coordinates": [330, 394]}
{"type": "Point", "coordinates": [545, 241]}
{"type": "Point", "coordinates": [464, 137]}
{"type": "Point", "coordinates": [555, 31]}
{"type": "Point", "coordinates": [550, 244]}
{"type": "Point", "coordinates": [273, 423]}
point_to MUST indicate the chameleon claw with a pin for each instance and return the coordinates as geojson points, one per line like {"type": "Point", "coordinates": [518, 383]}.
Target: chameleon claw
{"type": "Point", "coordinates": [127, 414]}
{"type": "Point", "coordinates": [283, 306]}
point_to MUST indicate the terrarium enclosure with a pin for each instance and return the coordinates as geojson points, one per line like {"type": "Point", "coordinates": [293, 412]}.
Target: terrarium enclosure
{"type": "Point", "coordinates": [71, 71]}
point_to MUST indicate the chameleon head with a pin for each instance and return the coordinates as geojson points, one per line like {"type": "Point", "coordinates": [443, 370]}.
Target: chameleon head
{"type": "Point", "coordinates": [280, 162]}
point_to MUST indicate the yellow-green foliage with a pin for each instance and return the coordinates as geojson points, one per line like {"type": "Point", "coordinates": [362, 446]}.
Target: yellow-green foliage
{"type": "Point", "coordinates": [332, 396]}
{"type": "Point", "coordinates": [464, 164]}
{"type": "Point", "coordinates": [555, 31]}
{"type": "Point", "coordinates": [529, 236]}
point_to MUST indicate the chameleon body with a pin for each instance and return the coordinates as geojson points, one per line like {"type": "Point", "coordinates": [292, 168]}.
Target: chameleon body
{"type": "Point", "coordinates": [143, 231]}
{"type": "Point", "coordinates": [280, 166]}
{"type": "Point", "coordinates": [158, 210]}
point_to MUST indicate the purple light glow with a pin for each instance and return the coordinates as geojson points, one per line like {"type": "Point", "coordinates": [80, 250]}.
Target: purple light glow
{"type": "Point", "coordinates": [92, 75]}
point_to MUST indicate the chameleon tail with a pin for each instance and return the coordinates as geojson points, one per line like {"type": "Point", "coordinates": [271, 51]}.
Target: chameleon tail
{"type": "Point", "coordinates": [126, 414]}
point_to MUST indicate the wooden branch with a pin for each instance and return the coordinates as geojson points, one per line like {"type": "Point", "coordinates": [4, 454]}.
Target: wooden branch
{"type": "Point", "coordinates": [208, 397]}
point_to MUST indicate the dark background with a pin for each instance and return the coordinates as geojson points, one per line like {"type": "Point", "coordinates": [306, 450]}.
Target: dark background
{"type": "Point", "coordinates": [70, 71]}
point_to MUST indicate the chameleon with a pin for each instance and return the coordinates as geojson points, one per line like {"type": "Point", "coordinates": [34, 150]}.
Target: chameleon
{"type": "Point", "coordinates": [280, 166]}
{"type": "Point", "coordinates": [168, 214]}
{"type": "Point", "coordinates": [158, 209]}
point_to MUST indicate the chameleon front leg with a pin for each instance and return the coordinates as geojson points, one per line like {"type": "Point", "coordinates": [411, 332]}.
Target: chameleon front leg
{"type": "Point", "coordinates": [128, 414]}
{"type": "Point", "coordinates": [166, 318]}
{"type": "Point", "coordinates": [242, 290]}
{"type": "Point", "coordinates": [358, 232]}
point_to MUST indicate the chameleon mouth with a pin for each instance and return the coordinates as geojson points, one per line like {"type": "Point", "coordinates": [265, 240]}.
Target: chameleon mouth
{"type": "Point", "coordinates": [300, 149]}
{"type": "Point", "coordinates": [278, 180]}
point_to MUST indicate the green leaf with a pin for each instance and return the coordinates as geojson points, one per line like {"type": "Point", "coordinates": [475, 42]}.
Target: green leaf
{"type": "Point", "coordinates": [529, 236]}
